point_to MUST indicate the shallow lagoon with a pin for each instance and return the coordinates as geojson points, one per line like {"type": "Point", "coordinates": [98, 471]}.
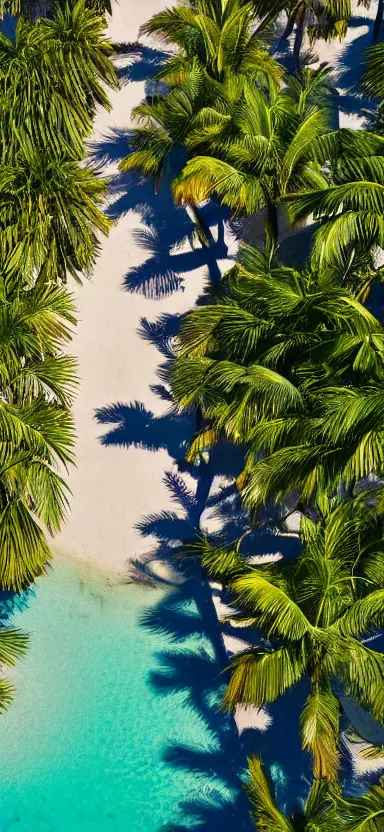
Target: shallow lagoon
{"type": "Point", "coordinates": [92, 743]}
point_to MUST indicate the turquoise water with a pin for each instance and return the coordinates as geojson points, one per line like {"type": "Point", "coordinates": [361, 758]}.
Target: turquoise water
{"type": "Point", "coordinates": [92, 743]}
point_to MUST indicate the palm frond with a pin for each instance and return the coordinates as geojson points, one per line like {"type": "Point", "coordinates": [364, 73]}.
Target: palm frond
{"type": "Point", "coordinates": [259, 676]}
{"type": "Point", "coordinates": [319, 724]}
{"type": "Point", "coordinates": [365, 813]}
{"type": "Point", "coordinates": [366, 614]}
{"type": "Point", "coordinates": [24, 550]}
{"type": "Point", "coordinates": [265, 813]}
{"type": "Point", "coordinates": [277, 613]}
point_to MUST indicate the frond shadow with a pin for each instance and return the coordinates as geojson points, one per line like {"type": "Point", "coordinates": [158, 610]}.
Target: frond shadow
{"type": "Point", "coordinates": [165, 232]}
{"type": "Point", "coordinates": [134, 425]}
{"type": "Point", "coordinates": [139, 62]}
{"type": "Point", "coordinates": [349, 69]}
{"type": "Point", "coordinates": [11, 602]}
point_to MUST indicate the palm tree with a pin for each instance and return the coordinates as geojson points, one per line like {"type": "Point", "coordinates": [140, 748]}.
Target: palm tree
{"type": "Point", "coordinates": [257, 149]}
{"type": "Point", "coordinates": [160, 143]}
{"type": "Point", "coordinates": [351, 208]}
{"type": "Point", "coordinates": [312, 613]}
{"type": "Point", "coordinates": [325, 809]}
{"type": "Point", "coordinates": [13, 645]}
{"type": "Point", "coordinates": [216, 36]}
{"type": "Point", "coordinates": [36, 429]}
{"type": "Point", "coordinates": [206, 73]}
{"type": "Point", "coordinates": [34, 107]}
{"type": "Point", "coordinates": [74, 45]}
{"type": "Point", "coordinates": [35, 9]}
{"type": "Point", "coordinates": [373, 81]}
{"type": "Point", "coordinates": [49, 215]}
{"type": "Point", "coordinates": [257, 359]}
{"type": "Point", "coordinates": [51, 78]}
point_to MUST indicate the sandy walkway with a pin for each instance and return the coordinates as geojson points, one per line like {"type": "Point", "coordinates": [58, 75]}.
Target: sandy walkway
{"type": "Point", "coordinates": [114, 485]}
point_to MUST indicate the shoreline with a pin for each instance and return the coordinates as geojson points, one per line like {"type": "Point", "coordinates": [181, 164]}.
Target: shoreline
{"type": "Point", "coordinates": [89, 570]}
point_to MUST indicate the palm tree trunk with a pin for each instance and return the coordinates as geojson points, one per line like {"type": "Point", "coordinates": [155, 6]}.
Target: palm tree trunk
{"type": "Point", "coordinates": [379, 20]}
{"type": "Point", "coordinates": [300, 22]}
{"type": "Point", "coordinates": [272, 225]}
{"type": "Point", "coordinates": [203, 232]}
{"type": "Point", "coordinates": [291, 22]}
{"type": "Point", "coordinates": [208, 241]}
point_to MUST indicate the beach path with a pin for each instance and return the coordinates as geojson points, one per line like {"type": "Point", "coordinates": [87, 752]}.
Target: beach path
{"type": "Point", "coordinates": [147, 269]}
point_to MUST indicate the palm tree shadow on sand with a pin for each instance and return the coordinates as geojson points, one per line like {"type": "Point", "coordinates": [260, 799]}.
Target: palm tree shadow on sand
{"type": "Point", "coordinates": [349, 68]}
{"type": "Point", "coordinates": [165, 233]}
{"type": "Point", "coordinates": [137, 62]}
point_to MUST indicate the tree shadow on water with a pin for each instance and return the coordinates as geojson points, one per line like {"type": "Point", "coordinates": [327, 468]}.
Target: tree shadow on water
{"type": "Point", "coordinates": [194, 666]}
{"type": "Point", "coordinates": [11, 602]}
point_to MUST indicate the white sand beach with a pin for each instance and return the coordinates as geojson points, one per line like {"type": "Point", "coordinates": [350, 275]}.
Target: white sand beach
{"type": "Point", "coordinates": [113, 487]}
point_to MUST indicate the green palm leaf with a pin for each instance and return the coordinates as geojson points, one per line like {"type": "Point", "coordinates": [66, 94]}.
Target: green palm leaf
{"type": "Point", "coordinates": [319, 724]}
{"type": "Point", "coordinates": [258, 677]}
{"type": "Point", "coordinates": [24, 550]}
{"type": "Point", "coordinates": [12, 647]}
{"type": "Point", "coordinates": [276, 611]}
{"type": "Point", "coordinates": [265, 813]}
{"type": "Point", "coordinates": [365, 615]}
{"type": "Point", "coordinates": [373, 81]}
{"type": "Point", "coordinates": [363, 677]}
{"type": "Point", "coordinates": [364, 814]}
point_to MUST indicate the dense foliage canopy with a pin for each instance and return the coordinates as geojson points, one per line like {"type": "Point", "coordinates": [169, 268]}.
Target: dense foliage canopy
{"type": "Point", "coordinates": [285, 362]}
{"type": "Point", "coordinates": [312, 613]}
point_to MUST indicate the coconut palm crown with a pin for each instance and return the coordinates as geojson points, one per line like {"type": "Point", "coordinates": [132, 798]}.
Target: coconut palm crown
{"type": "Point", "coordinates": [265, 361]}
{"type": "Point", "coordinates": [49, 212]}
{"type": "Point", "coordinates": [51, 78]}
{"type": "Point", "coordinates": [38, 383]}
{"type": "Point", "coordinates": [254, 147]}
{"type": "Point", "coordinates": [312, 614]}
{"type": "Point", "coordinates": [216, 36]}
